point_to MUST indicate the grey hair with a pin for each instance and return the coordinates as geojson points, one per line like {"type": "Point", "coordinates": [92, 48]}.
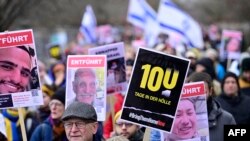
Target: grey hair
{"type": "Point", "coordinates": [84, 71]}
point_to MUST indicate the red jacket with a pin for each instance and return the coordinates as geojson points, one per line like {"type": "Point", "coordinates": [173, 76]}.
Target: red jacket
{"type": "Point", "coordinates": [108, 124]}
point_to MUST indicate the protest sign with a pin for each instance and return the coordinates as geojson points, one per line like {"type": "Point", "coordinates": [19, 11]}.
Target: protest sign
{"type": "Point", "coordinates": [154, 89]}
{"type": "Point", "coordinates": [19, 76]}
{"type": "Point", "coordinates": [86, 81]}
{"type": "Point", "coordinates": [191, 121]}
{"type": "Point", "coordinates": [231, 44]}
{"type": "Point", "coordinates": [116, 72]}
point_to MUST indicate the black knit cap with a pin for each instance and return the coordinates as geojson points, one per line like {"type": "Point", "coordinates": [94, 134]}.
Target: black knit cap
{"type": "Point", "coordinates": [209, 66]}
{"type": "Point", "coordinates": [245, 66]}
{"type": "Point", "coordinates": [60, 95]}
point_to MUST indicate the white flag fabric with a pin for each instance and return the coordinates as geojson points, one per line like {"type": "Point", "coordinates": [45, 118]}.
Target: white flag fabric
{"type": "Point", "coordinates": [151, 28]}
{"type": "Point", "coordinates": [88, 25]}
{"type": "Point", "coordinates": [136, 13]}
{"type": "Point", "coordinates": [142, 15]}
{"type": "Point", "coordinates": [173, 20]}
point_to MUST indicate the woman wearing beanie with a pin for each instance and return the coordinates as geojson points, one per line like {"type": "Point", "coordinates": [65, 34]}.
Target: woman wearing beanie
{"type": "Point", "coordinates": [52, 128]}
{"type": "Point", "coordinates": [233, 101]}
{"type": "Point", "coordinates": [44, 110]}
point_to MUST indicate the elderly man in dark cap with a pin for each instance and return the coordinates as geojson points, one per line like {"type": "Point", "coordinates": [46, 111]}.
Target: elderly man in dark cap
{"type": "Point", "coordinates": [80, 122]}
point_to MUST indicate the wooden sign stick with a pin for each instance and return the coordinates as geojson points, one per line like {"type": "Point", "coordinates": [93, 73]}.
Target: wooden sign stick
{"type": "Point", "coordinates": [21, 120]}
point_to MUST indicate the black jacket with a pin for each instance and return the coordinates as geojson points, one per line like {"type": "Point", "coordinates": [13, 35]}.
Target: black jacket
{"type": "Point", "coordinates": [138, 136]}
{"type": "Point", "coordinates": [217, 118]}
{"type": "Point", "coordinates": [238, 106]}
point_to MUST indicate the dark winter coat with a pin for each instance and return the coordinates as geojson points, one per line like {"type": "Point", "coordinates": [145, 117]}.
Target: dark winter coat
{"type": "Point", "coordinates": [217, 118]}
{"type": "Point", "coordinates": [44, 132]}
{"type": "Point", "coordinates": [238, 106]}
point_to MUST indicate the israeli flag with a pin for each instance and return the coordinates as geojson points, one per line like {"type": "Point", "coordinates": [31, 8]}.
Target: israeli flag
{"type": "Point", "coordinates": [136, 13]}
{"type": "Point", "coordinates": [151, 28]}
{"type": "Point", "coordinates": [142, 15]}
{"type": "Point", "coordinates": [88, 25]}
{"type": "Point", "coordinates": [173, 20]}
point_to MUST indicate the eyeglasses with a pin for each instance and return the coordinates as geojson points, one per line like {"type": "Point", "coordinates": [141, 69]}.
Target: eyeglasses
{"type": "Point", "coordinates": [55, 103]}
{"type": "Point", "coordinates": [79, 125]}
{"type": "Point", "coordinates": [120, 124]}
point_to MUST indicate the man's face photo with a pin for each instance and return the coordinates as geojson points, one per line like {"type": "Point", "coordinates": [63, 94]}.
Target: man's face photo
{"type": "Point", "coordinates": [15, 66]}
{"type": "Point", "coordinates": [84, 86]}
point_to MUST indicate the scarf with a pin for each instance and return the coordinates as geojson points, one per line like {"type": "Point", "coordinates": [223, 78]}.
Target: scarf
{"type": "Point", "coordinates": [244, 83]}
{"type": "Point", "coordinates": [58, 129]}
{"type": "Point", "coordinates": [11, 123]}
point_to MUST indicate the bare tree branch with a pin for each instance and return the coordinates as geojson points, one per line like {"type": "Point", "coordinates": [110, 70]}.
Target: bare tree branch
{"type": "Point", "coordinates": [11, 9]}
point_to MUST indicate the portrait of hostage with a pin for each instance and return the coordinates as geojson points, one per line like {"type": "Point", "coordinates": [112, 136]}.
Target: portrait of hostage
{"type": "Point", "coordinates": [15, 69]}
{"type": "Point", "coordinates": [116, 69]}
{"type": "Point", "coordinates": [85, 87]}
{"type": "Point", "coordinates": [233, 45]}
{"type": "Point", "coordinates": [185, 125]}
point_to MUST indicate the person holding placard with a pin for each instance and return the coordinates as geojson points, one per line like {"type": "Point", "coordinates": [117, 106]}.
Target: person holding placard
{"type": "Point", "coordinates": [218, 117]}
{"type": "Point", "coordinates": [52, 128]}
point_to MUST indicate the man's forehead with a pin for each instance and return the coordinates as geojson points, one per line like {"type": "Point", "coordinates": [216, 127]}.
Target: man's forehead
{"type": "Point", "coordinates": [85, 71]}
{"type": "Point", "coordinates": [74, 120]}
{"type": "Point", "coordinates": [87, 74]}
{"type": "Point", "coordinates": [13, 50]}
{"type": "Point", "coordinates": [6, 54]}
{"type": "Point", "coordinates": [24, 49]}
